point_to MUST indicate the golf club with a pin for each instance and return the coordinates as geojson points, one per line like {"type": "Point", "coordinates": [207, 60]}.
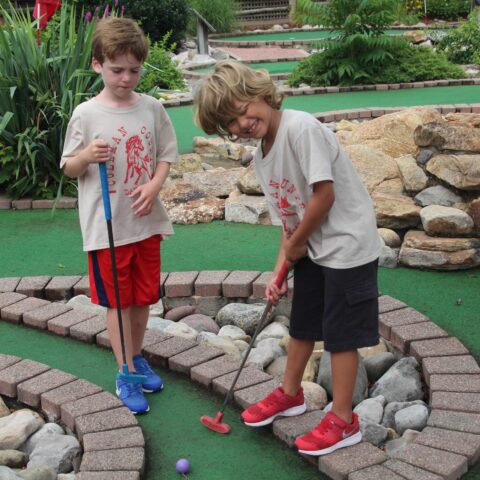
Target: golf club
{"type": "Point", "coordinates": [125, 375]}
{"type": "Point", "coordinates": [216, 423]}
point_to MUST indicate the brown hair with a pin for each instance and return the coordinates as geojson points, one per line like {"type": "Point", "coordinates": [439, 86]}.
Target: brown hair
{"type": "Point", "coordinates": [229, 82]}
{"type": "Point", "coordinates": [117, 36]}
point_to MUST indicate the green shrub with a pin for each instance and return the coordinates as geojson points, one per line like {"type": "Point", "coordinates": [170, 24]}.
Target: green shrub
{"type": "Point", "coordinates": [351, 57]}
{"type": "Point", "coordinates": [159, 70]}
{"type": "Point", "coordinates": [462, 45]}
{"type": "Point", "coordinates": [411, 64]}
{"type": "Point", "coordinates": [416, 64]}
{"type": "Point", "coordinates": [40, 85]}
{"type": "Point", "coordinates": [158, 17]}
{"type": "Point", "coordinates": [221, 14]}
{"type": "Point", "coordinates": [448, 9]}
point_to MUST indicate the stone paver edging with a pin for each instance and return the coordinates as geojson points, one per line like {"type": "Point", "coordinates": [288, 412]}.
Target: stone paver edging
{"type": "Point", "coordinates": [446, 449]}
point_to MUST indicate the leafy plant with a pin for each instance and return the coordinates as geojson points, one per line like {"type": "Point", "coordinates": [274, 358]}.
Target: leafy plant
{"type": "Point", "coordinates": [361, 45]}
{"type": "Point", "coordinates": [448, 9]}
{"type": "Point", "coordinates": [40, 85]}
{"type": "Point", "coordinates": [221, 14]}
{"type": "Point", "coordinates": [462, 45]}
{"type": "Point", "coordinates": [160, 71]}
{"type": "Point", "coordinates": [408, 12]}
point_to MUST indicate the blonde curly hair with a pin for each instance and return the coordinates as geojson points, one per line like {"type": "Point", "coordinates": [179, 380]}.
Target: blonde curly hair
{"type": "Point", "coordinates": [231, 81]}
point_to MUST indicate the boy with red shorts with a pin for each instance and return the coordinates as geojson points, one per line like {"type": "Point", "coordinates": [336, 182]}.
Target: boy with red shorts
{"type": "Point", "coordinates": [132, 133]}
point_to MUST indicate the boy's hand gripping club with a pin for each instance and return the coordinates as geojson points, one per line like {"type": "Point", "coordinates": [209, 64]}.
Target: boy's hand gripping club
{"type": "Point", "coordinates": [130, 377]}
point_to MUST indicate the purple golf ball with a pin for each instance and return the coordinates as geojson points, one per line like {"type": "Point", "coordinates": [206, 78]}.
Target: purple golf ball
{"type": "Point", "coordinates": [182, 465]}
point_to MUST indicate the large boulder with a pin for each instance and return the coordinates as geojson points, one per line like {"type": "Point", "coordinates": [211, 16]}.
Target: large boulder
{"type": "Point", "coordinates": [218, 182]}
{"type": "Point", "coordinates": [396, 211]}
{"type": "Point", "coordinates": [460, 171]}
{"type": "Point", "coordinates": [392, 134]}
{"type": "Point", "coordinates": [445, 221]}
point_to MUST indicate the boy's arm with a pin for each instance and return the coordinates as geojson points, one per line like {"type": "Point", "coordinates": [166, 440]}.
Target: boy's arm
{"type": "Point", "coordinates": [147, 193]}
{"type": "Point", "coordinates": [96, 152]}
{"type": "Point", "coordinates": [316, 210]}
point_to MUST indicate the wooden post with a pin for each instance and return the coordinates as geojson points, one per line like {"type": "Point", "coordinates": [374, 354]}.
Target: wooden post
{"type": "Point", "coordinates": [202, 33]}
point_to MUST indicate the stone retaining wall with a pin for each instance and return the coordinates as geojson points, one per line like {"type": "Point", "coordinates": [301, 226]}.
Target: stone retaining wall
{"type": "Point", "coordinates": [447, 447]}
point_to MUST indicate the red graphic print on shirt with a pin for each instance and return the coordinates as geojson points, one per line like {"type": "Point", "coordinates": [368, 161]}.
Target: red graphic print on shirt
{"type": "Point", "coordinates": [288, 204]}
{"type": "Point", "coordinates": [136, 160]}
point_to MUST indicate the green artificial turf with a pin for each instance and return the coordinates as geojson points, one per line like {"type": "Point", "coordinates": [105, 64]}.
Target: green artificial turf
{"type": "Point", "coordinates": [172, 428]}
{"type": "Point", "coordinates": [307, 35]}
{"type": "Point", "coordinates": [271, 67]}
{"type": "Point", "coordinates": [34, 243]}
{"type": "Point", "coordinates": [182, 117]}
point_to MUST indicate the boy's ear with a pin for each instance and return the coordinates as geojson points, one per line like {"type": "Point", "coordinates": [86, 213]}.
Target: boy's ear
{"type": "Point", "coordinates": [96, 65]}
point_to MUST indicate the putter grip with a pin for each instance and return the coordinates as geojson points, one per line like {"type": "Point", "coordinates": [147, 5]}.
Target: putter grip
{"type": "Point", "coordinates": [282, 275]}
{"type": "Point", "coordinates": [106, 197]}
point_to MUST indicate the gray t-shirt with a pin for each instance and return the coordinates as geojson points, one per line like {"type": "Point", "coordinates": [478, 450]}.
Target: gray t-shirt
{"type": "Point", "coordinates": [305, 152]}
{"type": "Point", "coordinates": [139, 136]}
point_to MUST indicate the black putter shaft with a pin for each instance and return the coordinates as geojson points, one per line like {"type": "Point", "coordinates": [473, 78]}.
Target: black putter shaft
{"type": "Point", "coordinates": [279, 281]}
{"type": "Point", "coordinates": [117, 291]}
{"type": "Point", "coordinates": [257, 331]}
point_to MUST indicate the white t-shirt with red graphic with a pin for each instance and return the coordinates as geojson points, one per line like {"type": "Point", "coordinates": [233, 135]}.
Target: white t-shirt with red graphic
{"type": "Point", "coordinates": [139, 137]}
{"type": "Point", "coordinates": [305, 152]}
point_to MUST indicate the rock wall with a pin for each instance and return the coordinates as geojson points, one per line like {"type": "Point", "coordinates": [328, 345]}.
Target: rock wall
{"type": "Point", "coordinates": [421, 168]}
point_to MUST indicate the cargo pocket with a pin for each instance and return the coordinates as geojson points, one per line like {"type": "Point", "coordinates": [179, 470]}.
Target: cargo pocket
{"type": "Point", "coordinates": [357, 295]}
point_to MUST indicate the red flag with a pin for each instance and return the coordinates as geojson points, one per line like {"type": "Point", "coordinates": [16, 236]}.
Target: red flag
{"type": "Point", "coordinates": [44, 10]}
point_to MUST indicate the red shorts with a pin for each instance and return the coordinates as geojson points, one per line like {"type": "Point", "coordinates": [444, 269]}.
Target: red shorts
{"type": "Point", "coordinates": [138, 270]}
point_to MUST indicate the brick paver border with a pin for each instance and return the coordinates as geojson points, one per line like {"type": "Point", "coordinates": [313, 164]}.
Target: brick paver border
{"type": "Point", "coordinates": [447, 448]}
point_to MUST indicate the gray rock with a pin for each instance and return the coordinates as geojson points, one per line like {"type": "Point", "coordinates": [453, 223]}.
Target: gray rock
{"type": "Point", "coordinates": [235, 333]}
{"type": "Point", "coordinates": [42, 472]}
{"type": "Point", "coordinates": [13, 458]}
{"type": "Point", "coordinates": [4, 410]}
{"type": "Point", "coordinates": [273, 330]}
{"type": "Point", "coordinates": [370, 409]}
{"type": "Point", "coordinates": [201, 323]}
{"type": "Point", "coordinates": [158, 323]}
{"type": "Point", "coordinates": [373, 432]}
{"type": "Point", "coordinates": [424, 156]}
{"type": "Point", "coordinates": [264, 354]}
{"type": "Point", "coordinates": [325, 378]}
{"type": "Point", "coordinates": [17, 427]}
{"type": "Point", "coordinates": [437, 195]}
{"type": "Point", "coordinates": [56, 451]}
{"type": "Point", "coordinates": [400, 383]}
{"type": "Point", "coordinates": [392, 408]}
{"type": "Point", "coordinates": [82, 302]}
{"type": "Point", "coordinates": [277, 367]}
{"type": "Point", "coordinates": [411, 418]}
{"type": "Point", "coordinates": [242, 315]}
{"type": "Point", "coordinates": [8, 474]}
{"type": "Point", "coordinates": [35, 439]}
{"type": "Point", "coordinates": [388, 257]}
{"type": "Point", "coordinates": [377, 365]}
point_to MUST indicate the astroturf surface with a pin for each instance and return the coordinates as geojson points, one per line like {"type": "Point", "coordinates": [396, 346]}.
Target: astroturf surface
{"type": "Point", "coordinates": [35, 243]}
{"type": "Point", "coordinates": [185, 128]}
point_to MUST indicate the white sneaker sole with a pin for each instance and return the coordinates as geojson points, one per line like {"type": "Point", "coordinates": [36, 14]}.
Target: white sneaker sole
{"type": "Point", "coordinates": [347, 442]}
{"type": "Point", "coordinates": [133, 411]}
{"type": "Point", "coordinates": [153, 391]}
{"type": "Point", "coordinates": [290, 412]}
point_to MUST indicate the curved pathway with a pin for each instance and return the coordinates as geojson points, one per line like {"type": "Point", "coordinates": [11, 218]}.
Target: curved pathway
{"type": "Point", "coordinates": [446, 447]}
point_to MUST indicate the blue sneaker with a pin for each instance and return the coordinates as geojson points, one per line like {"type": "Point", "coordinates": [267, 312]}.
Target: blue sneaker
{"type": "Point", "coordinates": [131, 395]}
{"type": "Point", "coordinates": [154, 382]}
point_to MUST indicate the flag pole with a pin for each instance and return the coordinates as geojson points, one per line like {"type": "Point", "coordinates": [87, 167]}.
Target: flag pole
{"type": "Point", "coordinates": [38, 24]}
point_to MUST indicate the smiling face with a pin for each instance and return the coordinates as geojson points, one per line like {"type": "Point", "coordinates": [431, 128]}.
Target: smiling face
{"type": "Point", "coordinates": [255, 119]}
{"type": "Point", "coordinates": [120, 75]}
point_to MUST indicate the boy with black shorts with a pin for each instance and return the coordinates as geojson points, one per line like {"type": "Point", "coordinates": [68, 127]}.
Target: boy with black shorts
{"type": "Point", "coordinates": [329, 235]}
{"type": "Point", "coordinates": [132, 133]}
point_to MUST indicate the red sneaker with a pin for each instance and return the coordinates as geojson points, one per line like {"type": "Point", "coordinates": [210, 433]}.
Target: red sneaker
{"type": "Point", "coordinates": [330, 434]}
{"type": "Point", "coordinates": [277, 404]}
